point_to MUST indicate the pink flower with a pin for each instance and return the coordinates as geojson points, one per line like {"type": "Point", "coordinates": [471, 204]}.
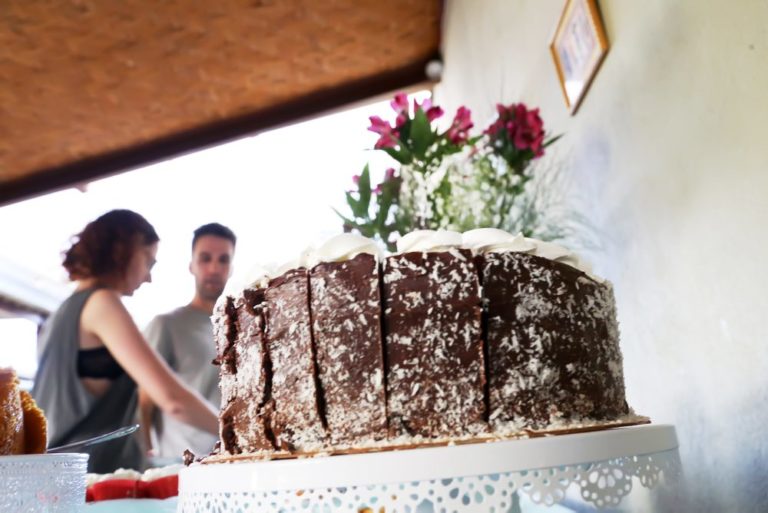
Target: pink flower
{"type": "Point", "coordinates": [400, 103]}
{"type": "Point", "coordinates": [400, 106]}
{"type": "Point", "coordinates": [389, 136]}
{"type": "Point", "coordinates": [461, 124]}
{"type": "Point", "coordinates": [498, 124]}
{"type": "Point", "coordinates": [379, 126]}
{"type": "Point", "coordinates": [526, 131]}
{"type": "Point", "coordinates": [356, 179]}
{"type": "Point", "coordinates": [524, 128]}
{"type": "Point", "coordinates": [389, 174]}
{"type": "Point", "coordinates": [377, 189]}
{"type": "Point", "coordinates": [425, 105]}
{"type": "Point", "coordinates": [432, 112]}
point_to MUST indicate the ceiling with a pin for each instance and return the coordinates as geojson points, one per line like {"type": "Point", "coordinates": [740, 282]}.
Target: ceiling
{"type": "Point", "coordinates": [91, 88]}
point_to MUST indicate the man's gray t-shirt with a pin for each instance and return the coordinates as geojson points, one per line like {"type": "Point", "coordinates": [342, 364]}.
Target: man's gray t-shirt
{"type": "Point", "coordinates": [184, 337]}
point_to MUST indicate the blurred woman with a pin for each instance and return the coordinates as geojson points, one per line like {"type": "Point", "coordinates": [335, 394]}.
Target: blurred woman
{"type": "Point", "coordinates": [93, 354]}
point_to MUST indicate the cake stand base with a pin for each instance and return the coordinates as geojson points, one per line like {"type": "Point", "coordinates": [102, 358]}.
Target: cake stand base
{"type": "Point", "coordinates": [598, 469]}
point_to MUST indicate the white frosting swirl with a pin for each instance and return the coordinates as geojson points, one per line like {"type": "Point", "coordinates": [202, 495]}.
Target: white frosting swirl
{"type": "Point", "coordinates": [258, 276]}
{"type": "Point", "coordinates": [301, 261]}
{"type": "Point", "coordinates": [489, 240]}
{"type": "Point", "coordinates": [347, 246]}
{"type": "Point", "coordinates": [340, 248]}
{"type": "Point", "coordinates": [564, 256]}
{"type": "Point", "coordinates": [555, 252]}
{"type": "Point", "coordinates": [428, 240]}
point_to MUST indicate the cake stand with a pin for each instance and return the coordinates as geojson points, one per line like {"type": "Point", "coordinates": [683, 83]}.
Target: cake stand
{"type": "Point", "coordinates": [597, 468]}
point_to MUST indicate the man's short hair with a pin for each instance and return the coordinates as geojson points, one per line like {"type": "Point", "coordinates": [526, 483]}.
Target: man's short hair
{"type": "Point", "coordinates": [215, 229]}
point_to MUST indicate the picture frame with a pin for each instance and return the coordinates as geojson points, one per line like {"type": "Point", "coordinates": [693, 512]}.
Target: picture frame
{"type": "Point", "coordinates": [579, 46]}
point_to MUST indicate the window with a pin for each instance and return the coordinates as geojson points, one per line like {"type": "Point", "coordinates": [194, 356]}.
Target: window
{"type": "Point", "coordinates": [18, 347]}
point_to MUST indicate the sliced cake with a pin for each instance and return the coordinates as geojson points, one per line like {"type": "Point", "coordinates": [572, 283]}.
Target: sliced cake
{"type": "Point", "coordinates": [297, 422]}
{"type": "Point", "coordinates": [245, 382]}
{"type": "Point", "coordinates": [433, 344]}
{"type": "Point", "coordinates": [346, 328]}
{"type": "Point", "coordinates": [553, 353]}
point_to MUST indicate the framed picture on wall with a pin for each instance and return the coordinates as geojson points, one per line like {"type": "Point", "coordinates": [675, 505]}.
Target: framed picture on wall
{"type": "Point", "coordinates": [578, 48]}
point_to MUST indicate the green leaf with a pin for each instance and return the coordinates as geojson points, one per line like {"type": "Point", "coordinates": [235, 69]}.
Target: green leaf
{"type": "Point", "coordinates": [364, 186]}
{"type": "Point", "coordinates": [385, 202]}
{"type": "Point", "coordinates": [404, 130]}
{"type": "Point", "coordinates": [352, 202]}
{"type": "Point", "coordinates": [445, 186]}
{"type": "Point", "coordinates": [473, 140]}
{"type": "Point", "coordinates": [389, 197]}
{"type": "Point", "coordinates": [401, 155]}
{"type": "Point", "coordinates": [344, 218]}
{"type": "Point", "coordinates": [356, 206]}
{"type": "Point", "coordinates": [366, 231]}
{"type": "Point", "coordinates": [421, 134]}
{"type": "Point", "coordinates": [550, 141]}
{"type": "Point", "coordinates": [403, 221]}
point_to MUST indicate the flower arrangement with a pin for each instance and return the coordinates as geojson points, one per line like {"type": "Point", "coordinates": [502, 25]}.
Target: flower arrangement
{"type": "Point", "coordinates": [446, 179]}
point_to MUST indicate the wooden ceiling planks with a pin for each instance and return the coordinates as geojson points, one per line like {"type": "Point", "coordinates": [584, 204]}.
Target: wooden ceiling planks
{"type": "Point", "coordinates": [91, 88]}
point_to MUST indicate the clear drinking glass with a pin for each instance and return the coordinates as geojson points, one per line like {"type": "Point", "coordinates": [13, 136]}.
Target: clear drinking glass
{"type": "Point", "coordinates": [42, 483]}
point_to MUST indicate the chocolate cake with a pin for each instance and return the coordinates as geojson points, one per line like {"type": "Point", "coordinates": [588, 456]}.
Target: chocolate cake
{"type": "Point", "coordinates": [454, 339]}
{"type": "Point", "coordinates": [346, 330]}
{"type": "Point", "coordinates": [552, 344]}
{"type": "Point", "coordinates": [245, 375]}
{"type": "Point", "coordinates": [297, 421]}
{"type": "Point", "coordinates": [436, 374]}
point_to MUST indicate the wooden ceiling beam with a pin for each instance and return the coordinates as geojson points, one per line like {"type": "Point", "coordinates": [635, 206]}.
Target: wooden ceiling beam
{"type": "Point", "coordinates": [48, 180]}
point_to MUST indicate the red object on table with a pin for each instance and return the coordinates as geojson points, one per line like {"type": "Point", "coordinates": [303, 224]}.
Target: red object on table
{"type": "Point", "coordinates": [161, 488]}
{"type": "Point", "coordinates": [111, 489]}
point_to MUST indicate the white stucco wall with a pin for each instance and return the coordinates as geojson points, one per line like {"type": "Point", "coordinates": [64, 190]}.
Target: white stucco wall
{"type": "Point", "coordinates": [670, 145]}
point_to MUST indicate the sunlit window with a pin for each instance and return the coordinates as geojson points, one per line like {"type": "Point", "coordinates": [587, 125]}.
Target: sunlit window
{"type": "Point", "coordinates": [18, 347]}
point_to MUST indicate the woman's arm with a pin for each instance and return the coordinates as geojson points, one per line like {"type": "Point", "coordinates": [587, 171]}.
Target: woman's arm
{"type": "Point", "coordinates": [146, 415]}
{"type": "Point", "coordinates": [105, 317]}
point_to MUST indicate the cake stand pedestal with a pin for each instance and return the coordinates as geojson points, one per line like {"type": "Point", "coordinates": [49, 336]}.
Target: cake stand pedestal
{"type": "Point", "coordinates": [598, 469]}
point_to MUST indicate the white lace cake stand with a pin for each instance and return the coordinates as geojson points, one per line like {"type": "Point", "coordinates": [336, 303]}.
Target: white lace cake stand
{"type": "Point", "coordinates": [601, 467]}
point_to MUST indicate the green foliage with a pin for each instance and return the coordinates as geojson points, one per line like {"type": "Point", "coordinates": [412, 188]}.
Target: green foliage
{"type": "Point", "coordinates": [373, 222]}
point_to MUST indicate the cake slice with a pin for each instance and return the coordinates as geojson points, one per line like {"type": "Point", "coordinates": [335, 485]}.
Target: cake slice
{"type": "Point", "coordinates": [297, 423]}
{"type": "Point", "coordinates": [245, 418]}
{"type": "Point", "coordinates": [553, 352]}
{"type": "Point", "coordinates": [434, 350]}
{"type": "Point", "coordinates": [224, 336]}
{"type": "Point", "coordinates": [346, 329]}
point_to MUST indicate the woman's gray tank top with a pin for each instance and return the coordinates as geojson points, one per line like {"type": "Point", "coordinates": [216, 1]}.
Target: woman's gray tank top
{"type": "Point", "coordinates": [73, 413]}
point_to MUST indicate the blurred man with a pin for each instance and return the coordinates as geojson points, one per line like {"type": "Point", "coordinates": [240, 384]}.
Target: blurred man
{"type": "Point", "coordinates": [184, 337]}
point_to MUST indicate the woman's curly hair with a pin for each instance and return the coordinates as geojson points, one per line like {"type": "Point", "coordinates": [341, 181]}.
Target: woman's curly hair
{"type": "Point", "coordinates": [105, 247]}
